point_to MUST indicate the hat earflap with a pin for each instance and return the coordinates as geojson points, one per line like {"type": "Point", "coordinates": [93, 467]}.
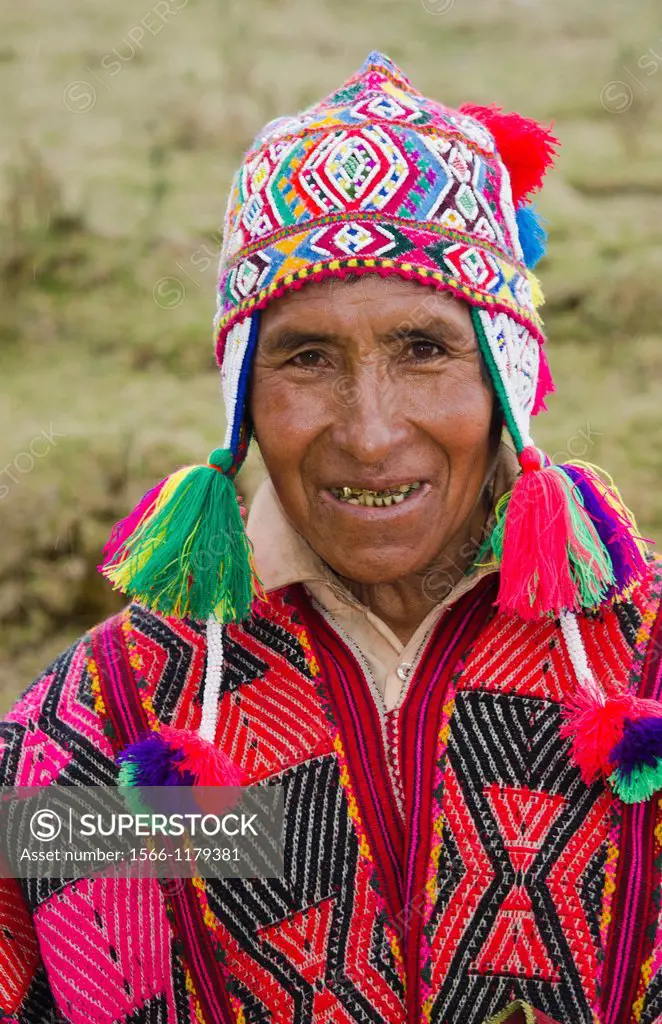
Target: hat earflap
{"type": "Point", "coordinates": [563, 539]}
{"type": "Point", "coordinates": [183, 550]}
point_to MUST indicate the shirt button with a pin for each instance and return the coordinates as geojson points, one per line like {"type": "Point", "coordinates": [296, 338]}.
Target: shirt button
{"type": "Point", "coordinates": [403, 670]}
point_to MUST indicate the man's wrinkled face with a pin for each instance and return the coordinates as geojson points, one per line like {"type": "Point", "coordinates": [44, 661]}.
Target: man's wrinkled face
{"type": "Point", "coordinates": [373, 418]}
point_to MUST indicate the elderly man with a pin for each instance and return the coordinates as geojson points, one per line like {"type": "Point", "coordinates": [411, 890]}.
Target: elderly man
{"type": "Point", "coordinates": [445, 648]}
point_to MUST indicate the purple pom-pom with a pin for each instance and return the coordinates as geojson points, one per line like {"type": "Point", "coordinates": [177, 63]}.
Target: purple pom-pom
{"type": "Point", "coordinates": [152, 762]}
{"type": "Point", "coordinates": [641, 745]}
{"type": "Point", "coordinates": [618, 535]}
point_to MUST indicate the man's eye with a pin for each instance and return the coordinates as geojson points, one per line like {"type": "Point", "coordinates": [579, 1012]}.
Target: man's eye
{"type": "Point", "coordinates": [310, 359]}
{"type": "Point", "coordinates": [423, 350]}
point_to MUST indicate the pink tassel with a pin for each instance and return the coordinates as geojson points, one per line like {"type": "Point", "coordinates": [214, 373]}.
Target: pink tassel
{"type": "Point", "coordinates": [536, 576]}
{"type": "Point", "coordinates": [208, 765]}
{"type": "Point", "coordinates": [545, 386]}
{"type": "Point", "coordinates": [125, 527]}
{"type": "Point", "coordinates": [595, 728]}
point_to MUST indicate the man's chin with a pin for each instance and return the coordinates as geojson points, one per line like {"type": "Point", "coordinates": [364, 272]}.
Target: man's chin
{"type": "Point", "coordinates": [375, 566]}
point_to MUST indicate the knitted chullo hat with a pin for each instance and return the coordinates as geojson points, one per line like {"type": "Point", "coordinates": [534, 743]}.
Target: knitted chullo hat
{"type": "Point", "coordinates": [378, 179]}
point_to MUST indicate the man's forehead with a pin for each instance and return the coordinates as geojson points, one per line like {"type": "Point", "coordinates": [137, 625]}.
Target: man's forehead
{"type": "Point", "coordinates": [372, 306]}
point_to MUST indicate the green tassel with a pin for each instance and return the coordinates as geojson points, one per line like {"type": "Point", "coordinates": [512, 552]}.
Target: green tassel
{"type": "Point", "coordinates": [494, 543]}
{"type": "Point", "coordinates": [638, 785]}
{"type": "Point", "coordinates": [127, 782]}
{"type": "Point", "coordinates": [589, 559]}
{"type": "Point", "coordinates": [191, 555]}
{"type": "Point", "coordinates": [132, 797]}
{"type": "Point", "coordinates": [128, 774]}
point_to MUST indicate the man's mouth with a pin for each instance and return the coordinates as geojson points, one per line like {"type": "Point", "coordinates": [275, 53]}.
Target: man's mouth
{"type": "Point", "coordinates": [363, 496]}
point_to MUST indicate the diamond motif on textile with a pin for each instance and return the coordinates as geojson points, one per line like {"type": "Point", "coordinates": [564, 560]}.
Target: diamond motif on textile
{"type": "Point", "coordinates": [255, 218]}
{"type": "Point", "coordinates": [259, 176]}
{"type": "Point", "coordinates": [385, 108]}
{"type": "Point", "coordinates": [350, 239]}
{"type": "Point", "coordinates": [484, 229]}
{"type": "Point", "coordinates": [351, 167]}
{"type": "Point", "coordinates": [339, 171]}
{"type": "Point", "coordinates": [459, 162]}
{"type": "Point", "coordinates": [466, 202]}
{"type": "Point", "coordinates": [521, 869]}
{"type": "Point", "coordinates": [379, 106]}
{"type": "Point", "coordinates": [452, 219]}
{"type": "Point", "coordinates": [362, 170]}
{"type": "Point", "coordinates": [258, 215]}
{"type": "Point", "coordinates": [477, 268]}
{"type": "Point", "coordinates": [514, 944]}
{"type": "Point", "coordinates": [247, 278]}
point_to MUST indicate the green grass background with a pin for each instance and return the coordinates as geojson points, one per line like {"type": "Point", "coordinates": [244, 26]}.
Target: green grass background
{"type": "Point", "coordinates": [117, 153]}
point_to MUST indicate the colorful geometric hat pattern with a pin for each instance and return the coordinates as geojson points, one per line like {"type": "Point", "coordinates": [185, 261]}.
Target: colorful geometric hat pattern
{"type": "Point", "coordinates": [378, 179]}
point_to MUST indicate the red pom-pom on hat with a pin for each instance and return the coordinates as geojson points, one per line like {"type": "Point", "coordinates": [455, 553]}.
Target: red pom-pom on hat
{"type": "Point", "coordinates": [526, 147]}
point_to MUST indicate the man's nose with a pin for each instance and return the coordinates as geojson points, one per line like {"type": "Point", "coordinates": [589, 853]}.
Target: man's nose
{"type": "Point", "coordinates": [370, 418]}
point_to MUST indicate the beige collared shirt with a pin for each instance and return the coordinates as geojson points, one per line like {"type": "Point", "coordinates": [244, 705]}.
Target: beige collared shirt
{"type": "Point", "coordinates": [283, 556]}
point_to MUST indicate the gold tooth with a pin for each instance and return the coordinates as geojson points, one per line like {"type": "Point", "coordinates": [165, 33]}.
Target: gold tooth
{"type": "Point", "coordinates": [359, 496]}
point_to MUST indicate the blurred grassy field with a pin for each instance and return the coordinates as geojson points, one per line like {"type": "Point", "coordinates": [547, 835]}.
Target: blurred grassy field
{"type": "Point", "coordinates": [121, 130]}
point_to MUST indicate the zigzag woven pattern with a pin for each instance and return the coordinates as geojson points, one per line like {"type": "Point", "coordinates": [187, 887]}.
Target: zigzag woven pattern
{"type": "Point", "coordinates": [521, 868]}
{"type": "Point", "coordinates": [508, 862]}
